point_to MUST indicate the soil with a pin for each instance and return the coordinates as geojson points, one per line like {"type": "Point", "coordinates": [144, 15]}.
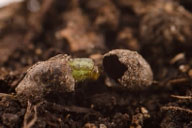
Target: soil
{"type": "Point", "coordinates": [160, 30]}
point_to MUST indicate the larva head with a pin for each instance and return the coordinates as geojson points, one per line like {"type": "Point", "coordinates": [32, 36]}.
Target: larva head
{"type": "Point", "coordinates": [83, 69]}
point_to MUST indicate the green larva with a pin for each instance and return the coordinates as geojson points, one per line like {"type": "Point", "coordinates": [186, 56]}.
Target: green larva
{"type": "Point", "coordinates": [58, 74]}
{"type": "Point", "coordinates": [83, 68]}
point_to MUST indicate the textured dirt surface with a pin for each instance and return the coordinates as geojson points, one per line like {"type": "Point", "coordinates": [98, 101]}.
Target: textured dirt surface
{"type": "Point", "coordinates": [160, 30]}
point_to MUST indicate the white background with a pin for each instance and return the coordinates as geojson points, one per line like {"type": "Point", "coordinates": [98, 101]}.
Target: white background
{"type": "Point", "coordinates": [5, 2]}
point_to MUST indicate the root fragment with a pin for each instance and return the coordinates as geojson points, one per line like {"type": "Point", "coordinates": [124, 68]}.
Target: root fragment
{"type": "Point", "coordinates": [175, 108]}
{"type": "Point", "coordinates": [30, 108]}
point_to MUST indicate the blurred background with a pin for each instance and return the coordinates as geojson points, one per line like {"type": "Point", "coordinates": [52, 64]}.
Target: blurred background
{"type": "Point", "coordinates": [6, 2]}
{"type": "Point", "coordinates": [33, 30]}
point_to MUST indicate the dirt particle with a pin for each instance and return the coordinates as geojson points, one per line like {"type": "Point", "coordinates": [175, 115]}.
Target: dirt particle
{"type": "Point", "coordinates": [10, 119]}
{"type": "Point", "coordinates": [102, 126]}
{"type": "Point", "coordinates": [90, 125]}
{"type": "Point", "coordinates": [190, 73]}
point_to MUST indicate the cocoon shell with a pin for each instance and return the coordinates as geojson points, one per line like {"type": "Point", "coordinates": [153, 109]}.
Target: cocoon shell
{"type": "Point", "coordinates": [128, 68]}
{"type": "Point", "coordinates": [53, 75]}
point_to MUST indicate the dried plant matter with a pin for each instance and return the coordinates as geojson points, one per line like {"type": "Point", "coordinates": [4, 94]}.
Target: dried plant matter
{"type": "Point", "coordinates": [128, 68]}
